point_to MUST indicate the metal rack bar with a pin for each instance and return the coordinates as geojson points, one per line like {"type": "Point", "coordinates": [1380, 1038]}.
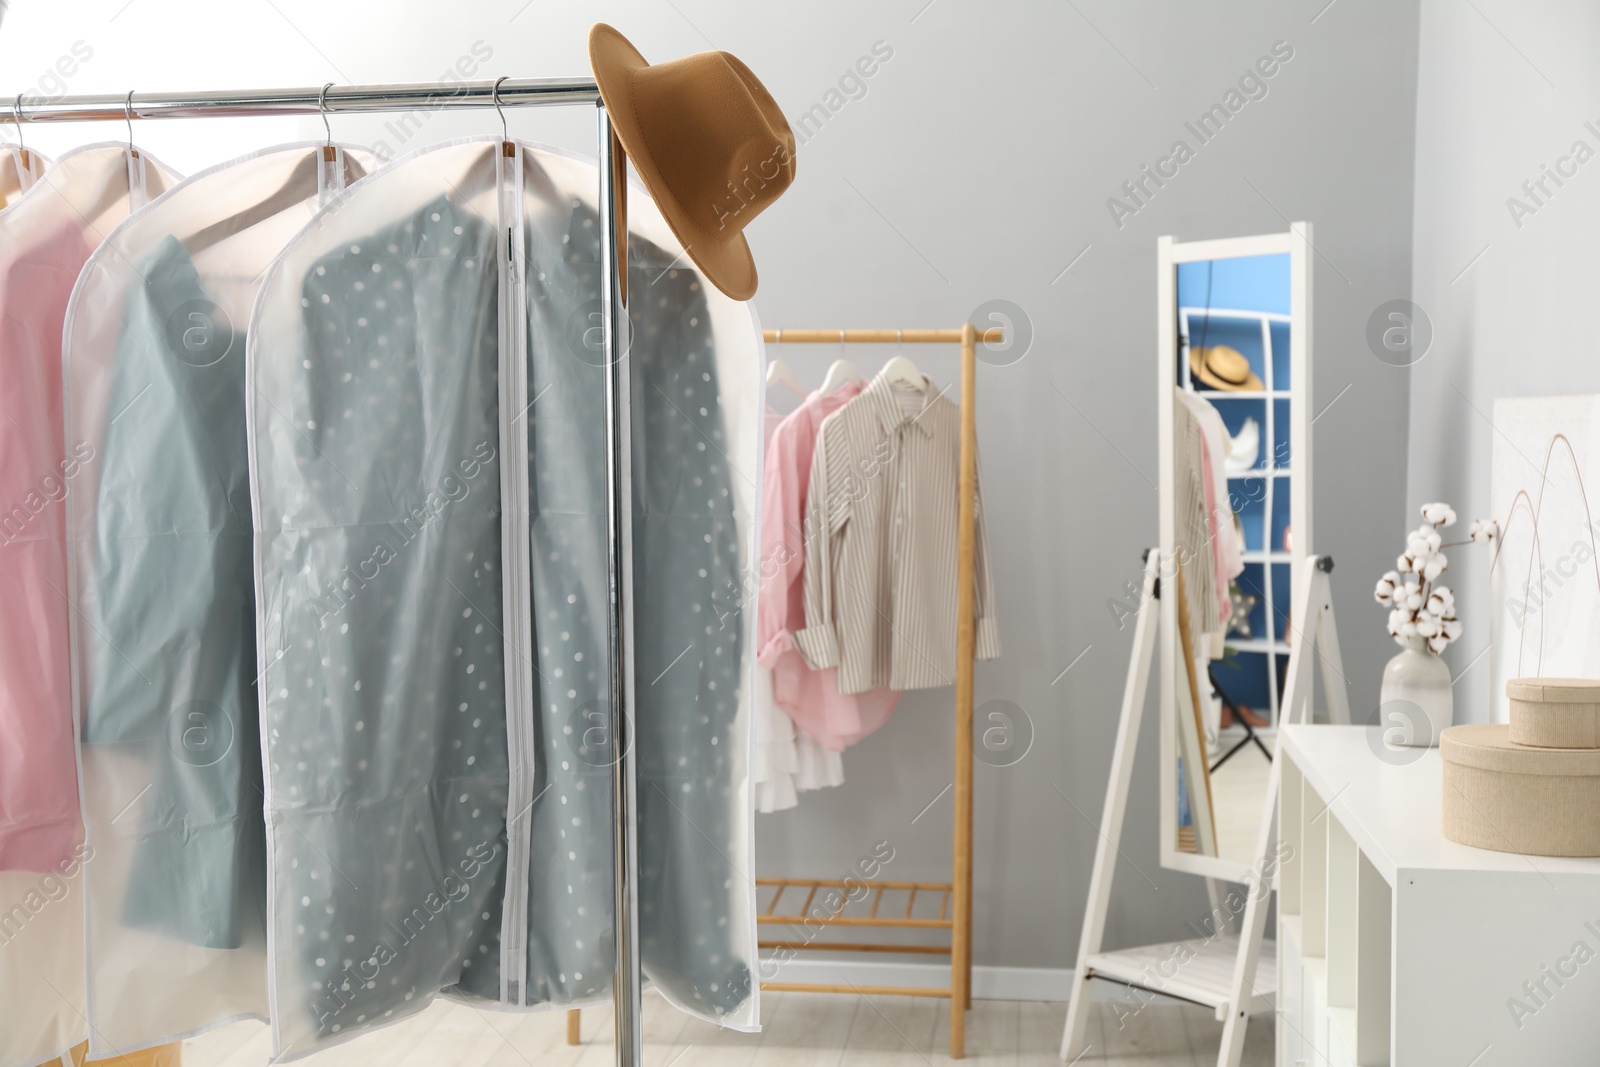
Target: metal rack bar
{"type": "Point", "coordinates": [236, 103]}
{"type": "Point", "coordinates": [537, 92]}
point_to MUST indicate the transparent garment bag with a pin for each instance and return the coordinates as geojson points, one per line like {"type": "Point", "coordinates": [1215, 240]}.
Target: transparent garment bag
{"type": "Point", "coordinates": [697, 425]}
{"type": "Point", "coordinates": [375, 458]}
{"type": "Point", "coordinates": [46, 234]}
{"type": "Point", "coordinates": [696, 429]}
{"type": "Point", "coordinates": [162, 585]}
{"type": "Point", "coordinates": [428, 455]}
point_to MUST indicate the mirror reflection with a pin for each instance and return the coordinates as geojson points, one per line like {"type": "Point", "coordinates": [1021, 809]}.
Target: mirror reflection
{"type": "Point", "coordinates": [1232, 494]}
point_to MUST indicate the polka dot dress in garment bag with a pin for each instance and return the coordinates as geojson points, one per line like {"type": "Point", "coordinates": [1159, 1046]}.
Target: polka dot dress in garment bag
{"type": "Point", "coordinates": [428, 451]}
{"type": "Point", "coordinates": [163, 593]}
{"type": "Point", "coordinates": [46, 234]}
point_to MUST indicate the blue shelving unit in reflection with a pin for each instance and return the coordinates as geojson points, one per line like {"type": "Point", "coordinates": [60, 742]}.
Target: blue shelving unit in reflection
{"type": "Point", "coordinates": [1244, 303]}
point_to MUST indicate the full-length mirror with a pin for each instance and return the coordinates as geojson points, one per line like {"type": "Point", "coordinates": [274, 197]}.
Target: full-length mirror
{"type": "Point", "coordinates": [1235, 530]}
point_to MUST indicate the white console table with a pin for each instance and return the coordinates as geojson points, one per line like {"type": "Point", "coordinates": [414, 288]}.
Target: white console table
{"type": "Point", "coordinates": [1397, 947]}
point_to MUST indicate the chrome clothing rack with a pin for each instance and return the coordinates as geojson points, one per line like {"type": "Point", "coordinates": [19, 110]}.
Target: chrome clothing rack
{"type": "Point", "coordinates": [613, 192]}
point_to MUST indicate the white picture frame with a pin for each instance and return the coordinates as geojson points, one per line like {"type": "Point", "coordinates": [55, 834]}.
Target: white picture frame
{"type": "Point", "coordinates": [1543, 621]}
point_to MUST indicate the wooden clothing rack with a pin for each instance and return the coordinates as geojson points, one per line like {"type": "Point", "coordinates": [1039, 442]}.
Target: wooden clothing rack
{"type": "Point", "coordinates": [955, 896]}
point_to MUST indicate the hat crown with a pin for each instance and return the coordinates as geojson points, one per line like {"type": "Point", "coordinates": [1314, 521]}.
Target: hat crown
{"type": "Point", "coordinates": [1227, 363]}
{"type": "Point", "coordinates": [717, 137]}
{"type": "Point", "coordinates": [708, 141]}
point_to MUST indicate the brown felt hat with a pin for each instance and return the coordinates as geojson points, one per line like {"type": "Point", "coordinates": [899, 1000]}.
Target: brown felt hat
{"type": "Point", "coordinates": [709, 142]}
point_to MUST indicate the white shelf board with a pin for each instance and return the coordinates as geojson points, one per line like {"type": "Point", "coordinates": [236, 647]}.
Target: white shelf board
{"type": "Point", "coordinates": [1206, 978]}
{"type": "Point", "coordinates": [1394, 809]}
{"type": "Point", "coordinates": [1267, 557]}
{"type": "Point", "coordinates": [1236, 733]}
{"type": "Point", "coordinates": [1260, 472]}
{"type": "Point", "coordinates": [1242, 394]}
{"type": "Point", "coordinates": [1257, 644]}
{"type": "Point", "coordinates": [1196, 310]}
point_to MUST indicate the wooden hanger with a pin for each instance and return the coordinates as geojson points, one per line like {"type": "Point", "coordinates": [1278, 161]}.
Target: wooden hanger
{"type": "Point", "coordinates": [299, 187]}
{"type": "Point", "coordinates": [116, 195]}
{"type": "Point", "coordinates": [17, 173]}
{"type": "Point", "coordinates": [19, 176]}
{"type": "Point", "coordinates": [295, 190]}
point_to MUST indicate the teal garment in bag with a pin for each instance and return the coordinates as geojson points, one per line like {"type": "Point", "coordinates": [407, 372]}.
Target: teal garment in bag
{"type": "Point", "coordinates": [384, 681]}
{"type": "Point", "coordinates": [176, 612]}
{"type": "Point", "coordinates": [428, 447]}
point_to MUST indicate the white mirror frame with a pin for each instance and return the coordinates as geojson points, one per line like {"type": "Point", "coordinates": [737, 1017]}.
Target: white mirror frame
{"type": "Point", "coordinates": [1169, 254]}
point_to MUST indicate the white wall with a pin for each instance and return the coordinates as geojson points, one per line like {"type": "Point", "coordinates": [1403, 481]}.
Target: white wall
{"type": "Point", "coordinates": [976, 165]}
{"type": "Point", "coordinates": [1504, 91]}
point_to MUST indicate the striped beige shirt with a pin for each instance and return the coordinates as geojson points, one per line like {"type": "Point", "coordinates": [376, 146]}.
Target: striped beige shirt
{"type": "Point", "coordinates": [880, 537]}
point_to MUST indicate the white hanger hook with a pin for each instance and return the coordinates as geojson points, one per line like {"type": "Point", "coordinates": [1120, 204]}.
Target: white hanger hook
{"type": "Point", "coordinates": [127, 116]}
{"type": "Point", "coordinates": [322, 106]}
{"type": "Point", "coordinates": [16, 110]}
{"type": "Point", "coordinates": [494, 94]}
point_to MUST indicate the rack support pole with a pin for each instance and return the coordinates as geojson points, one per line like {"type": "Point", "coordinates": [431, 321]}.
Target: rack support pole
{"type": "Point", "coordinates": [966, 649]}
{"type": "Point", "coordinates": [626, 976]}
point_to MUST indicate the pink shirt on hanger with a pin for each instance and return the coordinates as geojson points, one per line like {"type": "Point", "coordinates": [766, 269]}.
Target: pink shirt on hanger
{"type": "Point", "coordinates": [38, 767]}
{"type": "Point", "coordinates": [811, 698]}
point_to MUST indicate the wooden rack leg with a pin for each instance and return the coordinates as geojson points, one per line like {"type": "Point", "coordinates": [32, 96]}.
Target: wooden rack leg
{"type": "Point", "coordinates": [966, 648]}
{"type": "Point", "coordinates": [575, 1026]}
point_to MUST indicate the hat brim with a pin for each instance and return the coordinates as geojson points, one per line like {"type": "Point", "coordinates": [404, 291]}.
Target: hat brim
{"type": "Point", "coordinates": [727, 264]}
{"type": "Point", "coordinates": [1201, 370]}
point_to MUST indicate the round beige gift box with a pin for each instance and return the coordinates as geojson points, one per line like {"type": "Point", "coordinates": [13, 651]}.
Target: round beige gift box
{"type": "Point", "coordinates": [1515, 798]}
{"type": "Point", "coordinates": [1555, 712]}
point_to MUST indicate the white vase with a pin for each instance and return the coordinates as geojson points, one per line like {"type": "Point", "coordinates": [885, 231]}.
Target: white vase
{"type": "Point", "coordinates": [1416, 696]}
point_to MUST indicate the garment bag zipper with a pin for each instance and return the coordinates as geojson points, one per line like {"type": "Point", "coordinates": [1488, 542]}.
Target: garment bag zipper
{"type": "Point", "coordinates": [517, 595]}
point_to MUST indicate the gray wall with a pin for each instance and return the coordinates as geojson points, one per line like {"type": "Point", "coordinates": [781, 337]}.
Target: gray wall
{"type": "Point", "coordinates": [977, 165]}
{"type": "Point", "coordinates": [1496, 102]}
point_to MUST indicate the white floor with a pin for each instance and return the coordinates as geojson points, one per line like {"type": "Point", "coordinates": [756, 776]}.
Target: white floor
{"type": "Point", "coordinates": [800, 1030]}
{"type": "Point", "coordinates": [1239, 794]}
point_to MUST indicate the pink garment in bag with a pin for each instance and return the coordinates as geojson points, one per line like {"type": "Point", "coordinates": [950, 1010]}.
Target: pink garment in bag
{"type": "Point", "coordinates": [38, 771]}
{"type": "Point", "coordinates": [46, 237]}
{"type": "Point", "coordinates": [811, 698]}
